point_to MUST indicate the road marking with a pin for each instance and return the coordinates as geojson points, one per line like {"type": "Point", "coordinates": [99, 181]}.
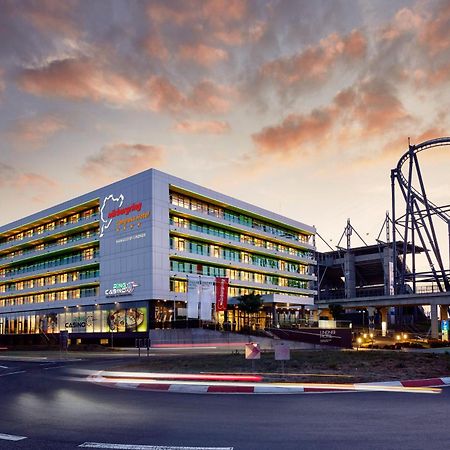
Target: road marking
{"type": "Point", "coordinates": [12, 373]}
{"type": "Point", "coordinates": [11, 437]}
{"type": "Point", "coordinates": [146, 447]}
{"type": "Point", "coordinates": [3, 367]}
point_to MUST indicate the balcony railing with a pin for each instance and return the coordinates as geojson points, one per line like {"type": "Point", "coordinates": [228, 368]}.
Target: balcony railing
{"type": "Point", "coordinates": [58, 228]}
{"type": "Point", "coordinates": [47, 249]}
{"type": "Point", "coordinates": [50, 264]}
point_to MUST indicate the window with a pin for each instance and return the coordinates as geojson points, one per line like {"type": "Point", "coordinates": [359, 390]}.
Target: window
{"type": "Point", "coordinates": [63, 278]}
{"type": "Point", "coordinates": [215, 251]}
{"type": "Point", "coordinates": [88, 253]}
{"type": "Point", "coordinates": [178, 285]}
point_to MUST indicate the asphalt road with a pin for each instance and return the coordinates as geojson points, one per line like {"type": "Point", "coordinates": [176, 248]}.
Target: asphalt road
{"type": "Point", "coordinates": [39, 401]}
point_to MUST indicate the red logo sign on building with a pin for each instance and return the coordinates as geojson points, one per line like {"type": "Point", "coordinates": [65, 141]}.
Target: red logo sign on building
{"type": "Point", "coordinates": [221, 294]}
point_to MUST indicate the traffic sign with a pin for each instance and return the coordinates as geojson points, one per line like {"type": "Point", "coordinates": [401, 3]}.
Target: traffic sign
{"type": "Point", "coordinates": [252, 351]}
{"type": "Point", "coordinates": [282, 351]}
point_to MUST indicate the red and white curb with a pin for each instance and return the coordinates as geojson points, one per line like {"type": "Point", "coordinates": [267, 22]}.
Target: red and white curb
{"type": "Point", "coordinates": [154, 382]}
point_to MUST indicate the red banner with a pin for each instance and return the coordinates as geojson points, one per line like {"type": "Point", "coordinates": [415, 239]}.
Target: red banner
{"type": "Point", "coordinates": [221, 294]}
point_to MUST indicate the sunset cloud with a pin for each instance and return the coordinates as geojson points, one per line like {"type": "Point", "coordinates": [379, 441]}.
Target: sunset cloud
{"type": "Point", "coordinates": [33, 132]}
{"type": "Point", "coordinates": [203, 54]}
{"type": "Point", "coordinates": [50, 16]}
{"type": "Point", "coordinates": [2, 81]}
{"type": "Point", "coordinates": [79, 79]}
{"type": "Point", "coordinates": [216, 14]}
{"type": "Point", "coordinates": [293, 131]}
{"type": "Point", "coordinates": [366, 110]}
{"type": "Point", "coordinates": [121, 160]}
{"type": "Point", "coordinates": [202, 127]}
{"type": "Point", "coordinates": [435, 33]}
{"type": "Point", "coordinates": [205, 97]}
{"type": "Point", "coordinates": [11, 177]}
{"type": "Point", "coordinates": [155, 47]}
{"type": "Point", "coordinates": [315, 64]}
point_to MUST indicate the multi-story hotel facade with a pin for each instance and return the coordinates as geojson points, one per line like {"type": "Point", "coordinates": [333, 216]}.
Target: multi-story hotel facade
{"type": "Point", "coordinates": [115, 262]}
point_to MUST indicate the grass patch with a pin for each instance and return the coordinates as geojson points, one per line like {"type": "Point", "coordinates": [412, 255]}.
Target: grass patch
{"type": "Point", "coordinates": [307, 366]}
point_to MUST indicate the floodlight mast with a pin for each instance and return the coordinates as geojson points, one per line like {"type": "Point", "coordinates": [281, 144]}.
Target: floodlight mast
{"type": "Point", "coordinates": [418, 223]}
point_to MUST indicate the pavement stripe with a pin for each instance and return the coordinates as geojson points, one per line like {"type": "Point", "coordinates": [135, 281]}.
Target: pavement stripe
{"type": "Point", "coordinates": [380, 383]}
{"type": "Point", "coordinates": [231, 389]}
{"type": "Point", "coordinates": [12, 373]}
{"type": "Point", "coordinates": [11, 437]}
{"type": "Point", "coordinates": [146, 447]}
{"type": "Point", "coordinates": [154, 386]}
{"type": "Point", "coordinates": [190, 389]}
{"type": "Point", "coordinates": [423, 383]}
{"type": "Point", "coordinates": [276, 390]}
{"type": "Point", "coordinates": [3, 367]}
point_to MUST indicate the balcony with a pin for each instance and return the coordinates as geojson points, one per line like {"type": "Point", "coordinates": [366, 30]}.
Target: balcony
{"type": "Point", "coordinates": [239, 245]}
{"type": "Point", "coordinates": [73, 262]}
{"type": "Point", "coordinates": [58, 231]}
{"type": "Point", "coordinates": [51, 249]}
{"type": "Point", "coordinates": [50, 288]}
{"type": "Point", "coordinates": [240, 227]}
{"type": "Point", "coordinates": [253, 285]}
{"type": "Point", "coordinates": [235, 264]}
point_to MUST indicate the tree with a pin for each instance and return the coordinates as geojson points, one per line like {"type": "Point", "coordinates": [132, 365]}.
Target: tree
{"type": "Point", "coordinates": [336, 310]}
{"type": "Point", "coordinates": [250, 304]}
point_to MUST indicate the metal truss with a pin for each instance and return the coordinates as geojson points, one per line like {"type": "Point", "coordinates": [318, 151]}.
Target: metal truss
{"type": "Point", "coordinates": [417, 224]}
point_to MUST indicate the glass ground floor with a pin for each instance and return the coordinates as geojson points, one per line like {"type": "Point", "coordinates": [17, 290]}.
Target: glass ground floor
{"type": "Point", "coordinates": [103, 324]}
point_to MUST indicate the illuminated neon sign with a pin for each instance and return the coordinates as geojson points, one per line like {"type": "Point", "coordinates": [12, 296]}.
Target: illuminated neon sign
{"type": "Point", "coordinates": [112, 208]}
{"type": "Point", "coordinates": [120, 289]}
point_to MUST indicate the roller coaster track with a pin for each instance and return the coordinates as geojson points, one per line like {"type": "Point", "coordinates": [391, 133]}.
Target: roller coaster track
{"type": "Point", "coordinates": [418, 218]}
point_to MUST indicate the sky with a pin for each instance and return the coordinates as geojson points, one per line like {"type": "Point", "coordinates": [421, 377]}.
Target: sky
{"type": "Point", "coordinates": [300, 107]}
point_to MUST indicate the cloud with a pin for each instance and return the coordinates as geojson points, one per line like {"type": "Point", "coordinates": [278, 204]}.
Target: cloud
{"type": "Point", "coordinates": [434, 34]}
{"type": "Point", "coordinates": [50, 16]}
{"type": "Point", "coordinates": [79, 79]}
{"type": "Point", "coordinates": [399, 146]}
{"type": "Point", "coordinates": [216, 14]}
{"type": "Point", "coordinates": [155, 47]}
{"type": "Point", "coordinates": [202, 127]}
{"type": "Point", "coordinates": [203, 54]}
{"type": "Point", "coordinates": [121, 160]}
{"type": "Point", "coordinates": [294, 131]}
{"type": "Point", "coordinates": [34, 132]}
{"type": "Point", "coordinates": [368, 109]}
{"type": "Point", "coordinates": [204, 26]}
{"type": "Point", "coordinates": [315, 64]}
{"type": "Point", "coordinates": [2, 81]}
{"type": "Point", "coordinates": [374, 104]}
{"type": "Point", "coordinates": [23, 181]}
{"type": "Point", "coordinates": [204, 97]}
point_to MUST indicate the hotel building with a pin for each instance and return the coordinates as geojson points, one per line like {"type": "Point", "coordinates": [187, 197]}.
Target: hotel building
{"type": "Point", "coordinates": [114, 263]}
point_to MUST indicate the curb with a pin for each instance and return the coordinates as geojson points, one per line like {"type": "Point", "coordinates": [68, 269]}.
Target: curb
{"type": "Point", "coordinates": [146, 383]}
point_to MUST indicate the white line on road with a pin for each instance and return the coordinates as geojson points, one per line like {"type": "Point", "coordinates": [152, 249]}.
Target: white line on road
{"type": "Point", "coordinates": [146, 447]}
{"type": "Point", "coordinates": [11, 437]}
{"type": "Point", "coordinates": [3, 367]}
{"type": "Point", "coordinates": [12, 373]}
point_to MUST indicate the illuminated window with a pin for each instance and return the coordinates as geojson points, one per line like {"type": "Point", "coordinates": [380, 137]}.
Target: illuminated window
{"type": "Point", "coordinates": [178, 285]}
{"type": "Point", "coordinates": [88, 253]}
{"type": "Point", "coordinates": [63, 278]}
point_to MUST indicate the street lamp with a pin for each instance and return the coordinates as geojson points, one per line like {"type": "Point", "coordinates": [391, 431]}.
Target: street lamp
{"type": "Point", "coordinates": [358, 341]}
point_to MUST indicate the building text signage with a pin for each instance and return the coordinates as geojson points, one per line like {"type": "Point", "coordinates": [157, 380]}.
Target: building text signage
{"type": "Point", "coordinates": [120, 289]}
